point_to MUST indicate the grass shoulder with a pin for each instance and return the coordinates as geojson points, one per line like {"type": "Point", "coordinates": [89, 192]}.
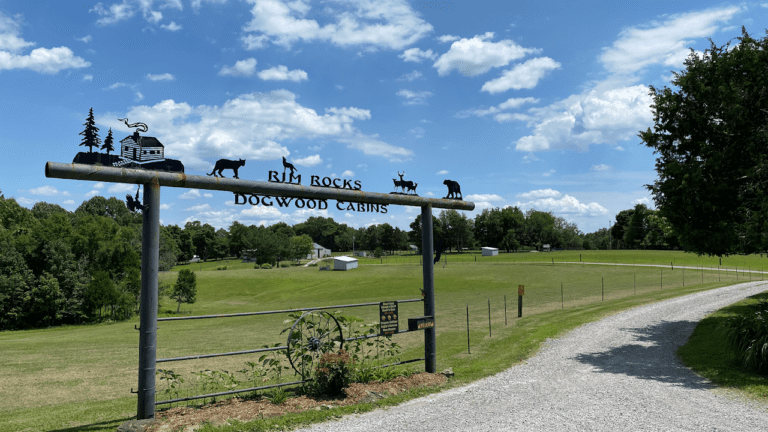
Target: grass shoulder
{"type": "Point", "coordinates": [708, 354]}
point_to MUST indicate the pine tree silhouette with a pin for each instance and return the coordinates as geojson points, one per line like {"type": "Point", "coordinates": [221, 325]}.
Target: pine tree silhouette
{"type": "Point", "coordinates": [108, 142]}
{"type": "Point", "coordinates": [91, 133]}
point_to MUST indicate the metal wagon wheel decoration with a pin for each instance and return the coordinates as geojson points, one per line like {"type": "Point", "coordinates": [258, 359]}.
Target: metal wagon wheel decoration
{"type": "Point", "coordinates": [312, 335]}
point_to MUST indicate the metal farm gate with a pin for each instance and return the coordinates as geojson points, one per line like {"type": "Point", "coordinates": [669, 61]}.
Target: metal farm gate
{"type": "Point", "coordinates": [153, 180]}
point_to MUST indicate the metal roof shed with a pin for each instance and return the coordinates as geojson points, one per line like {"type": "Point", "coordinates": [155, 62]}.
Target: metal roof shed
{"type": "Point", "coordinates": [344, 263]}
{"type": "Point", "coordinates": [490, 251]}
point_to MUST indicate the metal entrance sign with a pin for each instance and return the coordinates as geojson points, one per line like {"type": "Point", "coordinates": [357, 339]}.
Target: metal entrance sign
{"type": "Point", "coordinates": [142, 162]}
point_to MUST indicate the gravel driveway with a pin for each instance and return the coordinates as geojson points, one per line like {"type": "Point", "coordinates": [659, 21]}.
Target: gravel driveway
{"type": "Point", "coordinates": [616, 374]}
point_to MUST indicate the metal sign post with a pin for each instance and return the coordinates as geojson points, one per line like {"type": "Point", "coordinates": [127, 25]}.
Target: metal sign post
{"type": "Point", "coordinates": [153, 180]}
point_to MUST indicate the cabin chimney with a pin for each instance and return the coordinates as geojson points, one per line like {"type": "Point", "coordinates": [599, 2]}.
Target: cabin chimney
{"type": "Point", "coordinates": [136, 136]}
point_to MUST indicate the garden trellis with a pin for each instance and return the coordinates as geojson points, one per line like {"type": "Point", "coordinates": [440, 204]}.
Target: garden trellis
{"type": "Point", "coordinates": [153, 180]}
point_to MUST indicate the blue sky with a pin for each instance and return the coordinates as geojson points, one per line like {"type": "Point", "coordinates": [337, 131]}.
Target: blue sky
{"type": "Point", "coordinates": [528, 103]}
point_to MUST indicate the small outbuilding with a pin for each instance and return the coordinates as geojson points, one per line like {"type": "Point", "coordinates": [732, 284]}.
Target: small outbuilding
{"type": "Point", "coordinates": [344, 263]}
{"type": "Point", "coordinates": [490, 251]}
{"type": "Point", "coordinates": [318, 252]}
{"type": "Point", "coordinates": [546, 248]}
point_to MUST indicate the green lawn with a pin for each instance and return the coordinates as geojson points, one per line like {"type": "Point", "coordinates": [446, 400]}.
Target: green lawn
{"type": "Point", "coordinates": [83, 375]}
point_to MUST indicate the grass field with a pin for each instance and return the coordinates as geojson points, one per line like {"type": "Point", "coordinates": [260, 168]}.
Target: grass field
{"type": "Point", "coordinates": [79, 378]}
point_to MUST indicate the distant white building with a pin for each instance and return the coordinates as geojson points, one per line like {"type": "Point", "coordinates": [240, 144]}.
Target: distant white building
{"type": "Point", "coordinates": [318, 252]}
{"type": "Point", "coordinates": [414, 248]}
{"type": "Point", "coordinates": [490, 251]}
{"type": "Point", "coordinates": [344, 263]}
{"type": "Point", "coordinates": [545, 248]}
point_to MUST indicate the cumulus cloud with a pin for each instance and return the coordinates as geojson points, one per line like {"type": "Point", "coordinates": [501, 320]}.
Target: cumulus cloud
{"type": "Point", "coordinates": [47, 190]}
{"type": "Point", "coordinates": [251, 126]}
{"type": "Point", "coordinates": [414, 98]}
{"type": "Point", "coordinates": [201, 207]}
{"type": "Point", "coordinates": [664, 43]}
{"type": "Point", "coordinates": [416, 55]}
{"type": "Point", "coordinates": [390, 24]}
{"type": "Point", "coordinates": [447, 38]}
{"type": "Point", "coordinates": [565, 205]}
{"type": "Point", "coordinates": [160, 77]}
{"type": "Point", "coordinates": [245, 67]}
{"type": "Point", "coordinates": [128, 8]}
{"type": "Point", "coordinates": [348, 173]}
{"type": "Point", "coordinates": [476, 56]}
{"type": "Point", "coordinates": [522, 76]}
{"type": "Point", "coordinates": [644, 200]}
{"type": "Point", "coordinates": [41, 60]}
{"type": "Point", "coordinates": [600, 167]}
{"type": "Point", "coordinates": [484, 197]}
{"type": "Point", "coordinates": [611, 111]}
{"type": "Point", "coordinates": [410, 76]}
{"type": "Point", "coordinates": [442, 172]}
{"type": "Point", "coordinates": [540, 193]}
{"type": "Point", "coordinates": [281, 73]}
{"type": "Point", "coordinates": [309, 161]}
{"type": "Point", "coordinates": [190, 194]}
{"type": "Point", "coordinates": [498, 111]}
{"type": "Point", "coordinates": [87, 77]}
{"type": "Point", "coordinates": [85, 39]}
{"type": "Point", "coordinates": [121, 188]}
{"type": "Point", "coordinates": [172, 26]}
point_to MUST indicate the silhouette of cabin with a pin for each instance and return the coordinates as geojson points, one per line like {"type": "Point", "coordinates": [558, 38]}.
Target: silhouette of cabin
{"type": "Point", "coordinates": [141, 149]}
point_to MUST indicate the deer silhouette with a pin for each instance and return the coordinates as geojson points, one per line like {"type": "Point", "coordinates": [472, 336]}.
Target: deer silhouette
{"type": "Point", "coordinates": [412, 187]}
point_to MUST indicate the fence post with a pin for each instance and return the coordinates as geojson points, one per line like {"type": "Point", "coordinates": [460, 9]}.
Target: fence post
{"type": "Point", "coordinates": [634, 281]}
{"type": "Point", "coordinates": [602, 288]}
{"type": "Point", "coordinates": [737, 272]}
{"type": "Point", "coordinates": [562, 302]}
{"type": "Point", "coordinates": [489, 319]}
{"type": "Point", "coordinates": [150, 258]}
{"type": "Point", "coordinates": [683, 275]}
{"type": "Point", "coordinates": [661, 278]}
{"type": "Point", "coordinates": [468, 351]}
{"type": "Point", "coordinates": [505, 309]}
{"type": "Point", "coordinates": [428, 271]}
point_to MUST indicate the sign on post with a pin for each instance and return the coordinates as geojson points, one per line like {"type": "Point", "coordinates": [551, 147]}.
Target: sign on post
{"type": "Point", "coordinates": [388, 324]}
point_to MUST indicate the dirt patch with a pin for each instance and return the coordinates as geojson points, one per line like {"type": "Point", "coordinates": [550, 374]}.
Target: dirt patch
{"type": "Point", "coordinates": [218, 414]}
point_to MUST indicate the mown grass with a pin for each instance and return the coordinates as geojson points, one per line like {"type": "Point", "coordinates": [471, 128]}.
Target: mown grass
{"type": "Point", "coordinates": [708, 353]}
{"type": "Point", "coordinates": [59, 378]}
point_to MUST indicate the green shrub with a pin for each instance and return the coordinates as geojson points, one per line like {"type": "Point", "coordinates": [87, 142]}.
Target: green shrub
{"type": "Point", "coordinates": [747, 334]}
{"type": "Point", "coordinates": [221, 268]}
{"type": "Point", "coordinates": [333, 373]}
{"type": "Point", "coordinates": [378, 252]}
{"type": "Point", "coordinates": [256, 266]}
{"type": "Point", "coordinates": [266, 266]}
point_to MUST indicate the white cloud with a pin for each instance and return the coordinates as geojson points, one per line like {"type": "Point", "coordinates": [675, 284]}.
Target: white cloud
{"type": "Point", "coordinates": [172, 26]}
{"type": "Point", "coordinates": [410, 76]}
{"type": "Point", "coordinates": [540, 193]}
{"type": "Point", "coordinates": [116, 86]}
{"type": "Point", "coordinates": [269, 212]}
{"type": "Point", "coordinates": [92, 193]}
{"type": "Point", "coordinates": [99, 185]}
{"type": "Point", "coordinates": [665, 43]}
{"type": "Point", "coordinates": [391, 24]}
{"type": "Point", "coordinates": [197, 208]}
{"type": "Point", "coordinates": [414, 98]}
{"type": "Point", "coordinates": [47, 190]}
{"type": "Point", "coordinates": [548, 173]}
{"type": "Point", "coordinates": [41, 60]}
{"type": "Point", "coordinates": [522, 76]}
{"type": "Point", "coordinates": [600, 167]}
{"type": "Point", "coordinates": [69, 202]}
{"type": "Point", "coordinates": [26, 201]}
{"type": "Point", "coordinates": [442, 172]}
{"type": "Point", "coordinates": [500, 116]}
{"type": "Point", "coordinates": [251, 126]}
{"type": "Point", "coordinates": [128, 8]}
{"type": "Point", "coordinates": [643, 200]}
{"type": "Point", "coordinates": [418, 132]}
{"type": "Point", "coordinates": [348, 173]}
{"type": "Point", "coordinates": [245, 67]}
{"type": "Point", "coordinates": [121, 188]}
{"type": "Point", "coordinates": [447, 38]}
{"type": "Point", "coordinates": [611, 111]}
{"type": "Point", "coordinates": [87, 77]}
{"type": "Point", "coordinates": [281, 73]}
{"type": "Point", "coordinates": [85, 39]}
{"type": "Point", "coordinates": [416, 55]}
{"type": "Point", "coordinates": [165, 206]}
{"type": "Point", "coordinates": [161, 77]}
{"type": "Point", "coordinates": [190, 194]}
{"type": "Point", "coordinates": [208, 195]}
{"type": "Point", "coordinates": [484, 197]}
{"type": "Point", "coordinates": [138, 97]}
{"type": "Point", "coordinates": [476, 56]}
{"type": "Point", "coordinates": [619, 148]}
{"type": "Point", "coordinates": [309, 161]}
{"type": "Point", "coordinates": [565, 205]}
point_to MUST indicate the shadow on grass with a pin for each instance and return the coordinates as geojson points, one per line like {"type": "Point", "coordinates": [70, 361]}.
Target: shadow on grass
{"type": "Point", "coordinates": [650, 356]}
{"type": "Point", "coordinates": [93, 427]}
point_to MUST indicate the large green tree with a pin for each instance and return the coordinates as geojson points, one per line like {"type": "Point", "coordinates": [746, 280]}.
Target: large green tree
{"type": "Point", "coordinates": [711, 137]}
{"type": "Point", "coordinates": [185, 288]}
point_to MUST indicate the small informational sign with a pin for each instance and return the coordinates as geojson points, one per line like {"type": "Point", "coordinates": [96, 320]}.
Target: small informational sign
{"type": "Point", "coordinates": [388, 318]}
{"type": "Point", "coordinates": [520, 290]}
{"type": "Point", "coordinates": [421, 323]}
